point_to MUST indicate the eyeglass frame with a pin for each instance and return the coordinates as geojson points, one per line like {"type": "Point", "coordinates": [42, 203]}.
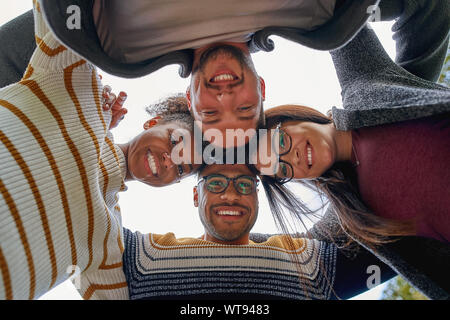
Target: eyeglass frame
{"type": "Point", "coordinates": [205, 179]}
{"type": "Point", "coordinates": [278, 128]}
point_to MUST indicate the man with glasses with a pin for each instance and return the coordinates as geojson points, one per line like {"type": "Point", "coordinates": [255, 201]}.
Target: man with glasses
{"type": "Point", "coordinates": [227, 203]}
{"type": "Point", "coordinates": [227, 261]}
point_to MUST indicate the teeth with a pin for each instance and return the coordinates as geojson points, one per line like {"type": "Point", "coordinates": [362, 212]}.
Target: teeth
{"type": "Point", "coordinates": [151, 163]}
{"type": "Point", "coordinates": [309, 155]}
{"type": "Point", "coordinates": [228, 213]}
{"type": "Point", "coordinates": [223, 77]}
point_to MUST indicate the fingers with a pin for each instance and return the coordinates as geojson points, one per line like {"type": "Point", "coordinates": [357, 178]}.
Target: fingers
{"type": "Point", "coordinates": [119, 101]}
{"type": "Point", "coordinates": [114, 103]}
{"type": "Point", "coordinates": [117, 117]}
{"type": "Point", "coordinates": [106, 101]}
{"type": "Point", "coordinates": [110, 101]}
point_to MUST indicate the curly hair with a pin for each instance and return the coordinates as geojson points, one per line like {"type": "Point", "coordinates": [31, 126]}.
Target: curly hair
{"type": "Point", "coordinates": [172, 108]}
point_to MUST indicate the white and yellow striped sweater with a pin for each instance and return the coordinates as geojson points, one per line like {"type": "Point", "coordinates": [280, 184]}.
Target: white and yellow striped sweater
{"type": "Point", "coordinates": [59, 177]}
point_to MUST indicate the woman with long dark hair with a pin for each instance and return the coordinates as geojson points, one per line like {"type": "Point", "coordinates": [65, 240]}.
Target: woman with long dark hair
{"type": "Point", "coordinates": [396, 171]}
{"type": "Point", "coordinates": [393, 131]}
{"type": "Point", "coordinates": [381, 161]}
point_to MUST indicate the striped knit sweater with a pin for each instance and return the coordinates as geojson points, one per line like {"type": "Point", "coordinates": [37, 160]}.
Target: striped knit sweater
{"type": "Point", "coordinates": [59, 180]}
{"type": "Point", "coordinates": [60, 174]}
{"type": "Point", "coordinates": [164, 267]}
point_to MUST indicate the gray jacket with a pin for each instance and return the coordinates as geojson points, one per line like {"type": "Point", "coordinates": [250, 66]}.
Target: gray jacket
{"type": "Point", "coordinates": [376, 91]}
{"type": "Point", "coordinates": [345, 24]}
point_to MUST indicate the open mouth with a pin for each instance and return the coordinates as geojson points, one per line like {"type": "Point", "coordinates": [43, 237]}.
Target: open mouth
{"type": "Point", "coordinates": [152, 163]}
{"type": "Point", "coordinates": [309, 159]}
{"type": "Point", "coordinates": [224, 77]}
{"type": "Point", "coordinates": [230, 212]}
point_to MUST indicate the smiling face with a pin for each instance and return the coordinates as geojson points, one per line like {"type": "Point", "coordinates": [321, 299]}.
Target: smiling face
{"type": "Point", "coordinates": [312, 149]}
{"type": "Point", "coordinates": [228, 216]}
{"type": "Point", "coordinates": [225, 90]}
{"type": "Point", "coordinates": [149, 156]}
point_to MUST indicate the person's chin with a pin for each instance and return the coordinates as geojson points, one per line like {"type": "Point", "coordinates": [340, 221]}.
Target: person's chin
{"type": "Point", "coordinates": [320, 170]}
{"type": "Point", "coordinates": [154, 182]}
{"type": "Point", "coordinates": [227, 237]}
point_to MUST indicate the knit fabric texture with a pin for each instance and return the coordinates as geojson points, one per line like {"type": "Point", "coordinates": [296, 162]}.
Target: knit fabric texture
{"type": "Point", "coordinates": [162, 266]}
{"type": "Point", "coordinates": [59, 178]}
{"type": "Point", "coordinates": [377, 91]}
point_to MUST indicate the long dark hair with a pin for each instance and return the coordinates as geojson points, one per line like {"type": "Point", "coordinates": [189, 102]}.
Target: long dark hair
{"type": "Point", "coordinates": [337, 186]}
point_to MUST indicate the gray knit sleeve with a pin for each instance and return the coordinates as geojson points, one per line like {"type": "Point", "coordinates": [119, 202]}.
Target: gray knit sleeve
{"type": "Point", "coordinates": [18, 44]}
{"type": "Point", "coordinates": [421, 34]}
{"type": "Point", "coordinates": [375, 90]}
{"type": "Point", "coordinates": [363, 58]}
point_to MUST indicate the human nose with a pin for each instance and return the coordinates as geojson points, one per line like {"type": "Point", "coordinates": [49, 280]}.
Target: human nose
{"type": "Point", "coordinates": [230, 193]}
{"type": "Point", "coordinates": [293, 157]}
{"type": "Point", "coordinates": [167, 161]}
{"type": "Point", "coordinates": [224, 97]}
{"type": "Point", "coordinates": [225, 93]}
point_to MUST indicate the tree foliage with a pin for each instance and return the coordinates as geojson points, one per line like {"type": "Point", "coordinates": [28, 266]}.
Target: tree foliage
{"type": "Point", "coordinates": [445, 74]}
{"type": "Point", "coordinates": [400, 289]}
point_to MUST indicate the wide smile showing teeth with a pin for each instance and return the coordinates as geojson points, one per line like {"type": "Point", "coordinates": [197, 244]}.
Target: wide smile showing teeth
{"type": "Point", "coordinates": [309, 153]}
{"type": "Point", "coordinates": [152, 163]}
{"type": "Point", "coordinates": [223, 77]}
{"type": "Point", "coordinates": [228, 213]}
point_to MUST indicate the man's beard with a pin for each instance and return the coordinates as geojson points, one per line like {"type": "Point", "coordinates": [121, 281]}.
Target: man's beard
{"type": "Point", "coordinates": [228, 50]}
{"type": "Point", "coordinates": [224, 234]}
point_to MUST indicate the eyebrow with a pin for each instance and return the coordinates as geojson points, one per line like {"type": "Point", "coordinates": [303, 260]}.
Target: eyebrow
{"type": "Point", "coordinates": [218, 120]}
{"type": "Point", "coordinates": [211, 121]}
{"type": "Point", "coordinates": [246, 118]}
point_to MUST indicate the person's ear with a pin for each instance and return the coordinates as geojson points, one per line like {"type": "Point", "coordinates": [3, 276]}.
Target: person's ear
{"type": "Point", "coordinates": [188, 97]}
{"type": "Point", "coordinates": [151, 122]}
{"type": "Point", "coordinates": [195, 197]}
{"type": "Point", "coordinates": [263, 88]}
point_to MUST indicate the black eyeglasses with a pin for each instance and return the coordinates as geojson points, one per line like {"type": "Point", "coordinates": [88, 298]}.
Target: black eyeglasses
{"type": "Point", "coordinates": [217, 183]}
{"type": "Point", "coordinates": [173, 143]}
{"type": "Point", "coordinates": [285, 171]}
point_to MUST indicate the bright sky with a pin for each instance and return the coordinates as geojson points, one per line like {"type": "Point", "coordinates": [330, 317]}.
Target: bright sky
{"type": "Point", "coordinates": [292, 73]}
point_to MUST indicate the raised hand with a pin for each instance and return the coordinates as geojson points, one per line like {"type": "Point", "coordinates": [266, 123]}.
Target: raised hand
{"type": "Point", "coordinates": [114, 103]}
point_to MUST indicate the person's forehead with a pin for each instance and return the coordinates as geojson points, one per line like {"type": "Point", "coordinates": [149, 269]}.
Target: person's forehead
{"type": "Point", "coordinates": [228, 170]}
